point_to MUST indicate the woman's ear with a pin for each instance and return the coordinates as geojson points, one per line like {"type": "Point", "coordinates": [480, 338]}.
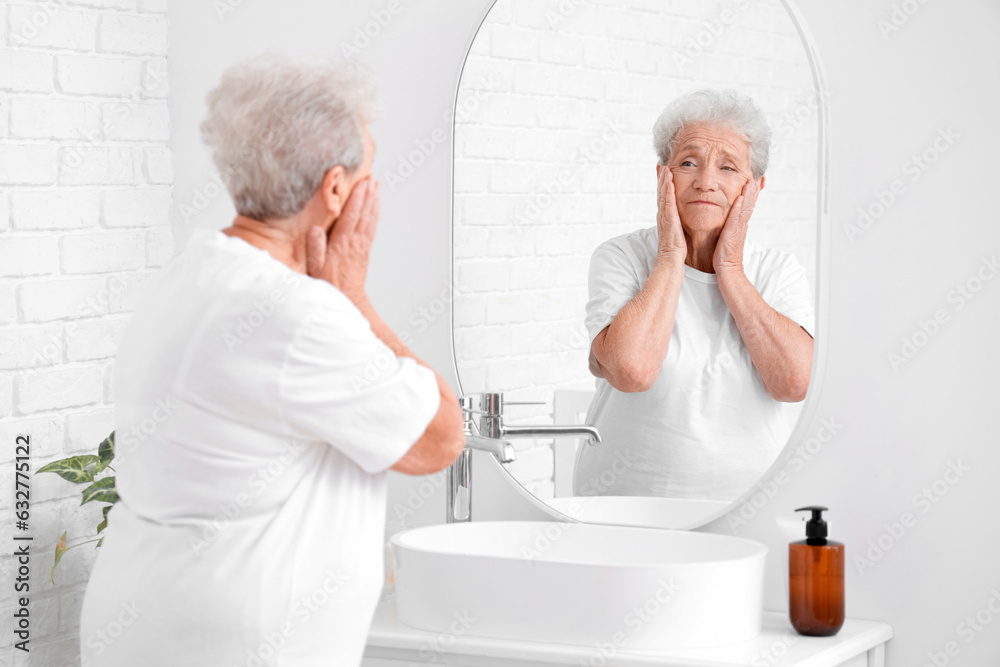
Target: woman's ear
{"type": "Point", "coordinates": [334, 190]}
{"type": "Point", "coordinates": [762, 184]}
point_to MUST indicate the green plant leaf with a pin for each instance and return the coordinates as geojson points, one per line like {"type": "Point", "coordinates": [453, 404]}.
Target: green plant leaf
{"type": "Point", "coordinates": [106, 452]}
{"type": "Point", "coordinates": [73, 469]}
{"type": "Point", "coordinates": [99, 542]}
{"type": "Point", "coordinates": [104, 524]}
{"type": "Point", "coordinates": [103, 490]}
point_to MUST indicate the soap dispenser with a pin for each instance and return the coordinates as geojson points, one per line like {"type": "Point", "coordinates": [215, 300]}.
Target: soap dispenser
{"type": "Point", "coordinates": [816, 579]}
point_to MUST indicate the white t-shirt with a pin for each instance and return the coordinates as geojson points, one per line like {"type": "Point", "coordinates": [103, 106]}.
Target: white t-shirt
{"type": "Point", "coordinates": [707, 428]}
{"type": "Point", "coordinates": [256, 414]}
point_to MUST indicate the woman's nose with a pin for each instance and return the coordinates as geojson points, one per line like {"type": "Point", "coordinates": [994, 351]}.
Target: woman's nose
{"type": "Point", "coordinates": [704, 180]}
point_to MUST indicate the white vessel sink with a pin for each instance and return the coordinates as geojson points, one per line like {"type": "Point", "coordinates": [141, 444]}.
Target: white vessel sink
{"type": "Point", "coordinates": [638, 510]}
{"type": "Point", "coordinates": [640, 589]}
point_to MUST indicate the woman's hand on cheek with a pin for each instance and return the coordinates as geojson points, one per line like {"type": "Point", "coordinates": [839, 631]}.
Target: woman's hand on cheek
{"type": "Point", "coordinates": [671, 240]}
{"type": "Point", "coordinates": [729, 248]}
{"type": "Point", "coordinates": [342, 259]}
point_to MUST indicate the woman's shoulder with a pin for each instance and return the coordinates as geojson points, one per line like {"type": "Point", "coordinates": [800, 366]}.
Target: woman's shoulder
{"type": "Point", "coordinates": [638, 245]}
{"type": "Point", "coordinates": [767, 260]}
{"type": "Point", "coordinates": [772, 269]}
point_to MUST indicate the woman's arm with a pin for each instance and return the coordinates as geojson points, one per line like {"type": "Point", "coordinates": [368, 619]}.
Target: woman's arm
{"type": "Point", "coordinates": [444, 438]}
{"type": "Point", "coordinates": [780, 349]}
{"type": "Point", "coordinates": [342, 260]}
{"type": "Point", "coordinates": [629, 352]}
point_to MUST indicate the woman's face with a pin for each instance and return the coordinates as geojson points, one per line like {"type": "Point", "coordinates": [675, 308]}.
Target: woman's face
{"type": "Point", "coordinates": [711, 164]}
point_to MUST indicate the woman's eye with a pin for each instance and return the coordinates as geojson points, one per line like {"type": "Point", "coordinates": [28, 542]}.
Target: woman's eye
{"type": "Point", "coordinates": [687, 162]}
{"type": "Point", "coordinates": [729, 168]}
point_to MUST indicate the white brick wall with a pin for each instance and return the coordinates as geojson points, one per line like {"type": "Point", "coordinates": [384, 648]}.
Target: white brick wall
{"type": "Point", "coordinates": [85, 190]}
{"type": "Point", "coordinates": [529, 213]}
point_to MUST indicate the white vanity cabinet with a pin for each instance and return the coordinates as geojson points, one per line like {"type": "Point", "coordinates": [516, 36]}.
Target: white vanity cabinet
{"type": "Point", "coordinates": [392, 644]}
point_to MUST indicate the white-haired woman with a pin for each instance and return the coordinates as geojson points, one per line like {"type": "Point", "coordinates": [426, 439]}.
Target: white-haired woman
{"type": "Point", "coordinates": [260, 400]}
{"type": "Point", "coordinates": [699, 338]}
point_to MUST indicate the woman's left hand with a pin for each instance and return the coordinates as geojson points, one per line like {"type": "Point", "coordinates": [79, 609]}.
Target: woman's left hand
{"type": "Point", "coordinates": [729, 248]}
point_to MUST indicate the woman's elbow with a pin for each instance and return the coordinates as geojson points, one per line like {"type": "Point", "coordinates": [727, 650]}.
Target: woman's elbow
{"type": "Point", "coordinates": [793, 390]}
{"type": "Point", "coordinates": [441, 443]}
{"type": "Point", "coordinates": [636, 378]}
{"type": "Point", "coordinates": [450, 436]}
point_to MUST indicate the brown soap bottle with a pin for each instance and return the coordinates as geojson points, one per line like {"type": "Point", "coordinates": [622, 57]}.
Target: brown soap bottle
{"type": "Point", "coordinates": [816, 580]}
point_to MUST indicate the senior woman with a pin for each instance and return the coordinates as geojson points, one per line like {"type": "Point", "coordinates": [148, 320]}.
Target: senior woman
{"type": "Point", "coordinates": [700, 339]}
{"type": "Point", "coordinates": [261, 399]}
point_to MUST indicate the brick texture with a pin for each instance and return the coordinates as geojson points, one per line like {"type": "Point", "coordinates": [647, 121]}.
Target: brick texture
{"type": "Point", "coordinates": [85, 192]}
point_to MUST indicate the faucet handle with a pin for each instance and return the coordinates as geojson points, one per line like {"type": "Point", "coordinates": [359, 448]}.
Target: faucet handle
{"type": "Point", "coordinates": [491, 404]}
{"type": "Point", "coordinates": [466, 402]}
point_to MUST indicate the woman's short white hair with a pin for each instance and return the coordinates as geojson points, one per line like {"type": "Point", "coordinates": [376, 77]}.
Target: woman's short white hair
{"type": "Point", "coordinates": [277, 123]}
{"type": "Point", "coordinates": [725, 107]}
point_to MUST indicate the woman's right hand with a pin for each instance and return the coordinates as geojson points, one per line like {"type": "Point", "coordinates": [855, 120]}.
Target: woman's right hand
{"type": "Point", "coordinates": [342, 259]}
{"type": "Point", "coordinates": [668, 220]}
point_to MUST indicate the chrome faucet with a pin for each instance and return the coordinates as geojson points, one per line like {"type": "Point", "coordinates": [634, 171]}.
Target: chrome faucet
{"type": "Point", "coordinates": [492, 438]}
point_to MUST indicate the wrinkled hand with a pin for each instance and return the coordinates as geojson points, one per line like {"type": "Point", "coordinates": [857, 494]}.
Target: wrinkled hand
{"type": "Point", "coordinates": [729, 248]}
{"type": "Point", "coordinates": [668, 220]}
{"type": "Point", "coordinates": [342, 259]}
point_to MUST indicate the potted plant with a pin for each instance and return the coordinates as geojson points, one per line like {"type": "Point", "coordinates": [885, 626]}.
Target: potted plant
{"type": "Point", "coordinates": [84, 469]}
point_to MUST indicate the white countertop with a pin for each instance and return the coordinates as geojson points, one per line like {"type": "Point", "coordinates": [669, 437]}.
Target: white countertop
{"type": "Point", "coordinates": [778, 644]}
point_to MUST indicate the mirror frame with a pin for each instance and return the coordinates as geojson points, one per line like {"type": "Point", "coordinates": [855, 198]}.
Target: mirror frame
{"type": "Point", "coordinates": [767, 484]}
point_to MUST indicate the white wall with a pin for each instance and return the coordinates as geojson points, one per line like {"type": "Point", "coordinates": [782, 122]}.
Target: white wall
{"type": "Point", "coordinates": [554, 156]}
{"type": "Point", "coordinates": [898, 428]}
{"type": "Point", "coordinates": [85, 178]}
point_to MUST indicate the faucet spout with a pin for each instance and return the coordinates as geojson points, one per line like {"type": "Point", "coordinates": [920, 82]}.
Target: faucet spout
{"type": "Point", "coordinates": [502, 449]}
{"type": "Point", "coordinates": [550, 430]}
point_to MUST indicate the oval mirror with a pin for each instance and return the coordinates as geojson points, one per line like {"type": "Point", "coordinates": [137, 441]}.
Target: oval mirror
{"type": "Point", "coordinates": [697, 382]}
